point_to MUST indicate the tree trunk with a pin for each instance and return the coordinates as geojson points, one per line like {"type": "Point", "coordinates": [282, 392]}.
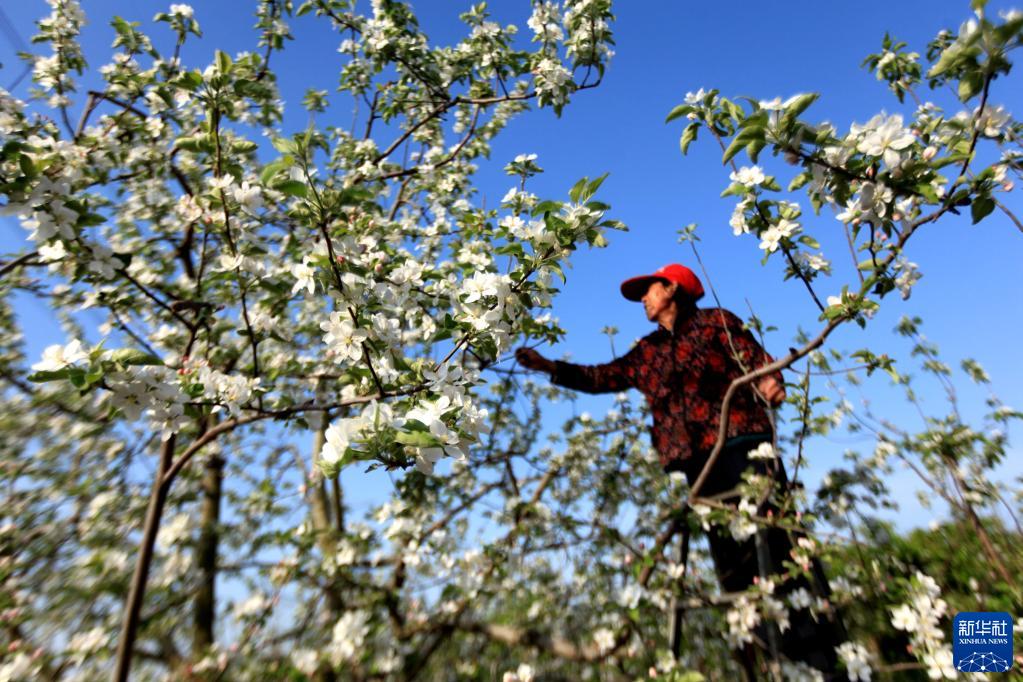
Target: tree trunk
{"type": "Point", "coordinates": [206, 557]}
{"type": "Point", "coordinates": [319, 512]}
{"type": "Point", "coordinates": [133, 604]}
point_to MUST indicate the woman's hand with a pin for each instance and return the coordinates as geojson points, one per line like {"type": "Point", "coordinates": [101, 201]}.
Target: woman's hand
{"type": "Point", "coordinates": [530, 359]}
{"type": "Point", "coordinates": [771, 389]}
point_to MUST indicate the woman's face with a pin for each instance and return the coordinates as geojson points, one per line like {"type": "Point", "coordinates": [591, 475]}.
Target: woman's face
{"type": "Point", "coordinates": [658, 299]}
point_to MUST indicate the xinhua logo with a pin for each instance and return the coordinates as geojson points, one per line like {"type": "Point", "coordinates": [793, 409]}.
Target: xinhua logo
{"type": "Point", "coordinates": [982, 642]}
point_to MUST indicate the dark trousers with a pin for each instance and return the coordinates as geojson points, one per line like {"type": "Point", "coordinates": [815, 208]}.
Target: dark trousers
{"type": "Point", "coordinates": [736, 563]}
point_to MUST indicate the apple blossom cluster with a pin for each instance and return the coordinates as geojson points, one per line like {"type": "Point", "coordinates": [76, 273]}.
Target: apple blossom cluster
{"type": "Point", "coordinates": [523, 673]}
{"type": "Point", "coordinates": [589, 34]}
{"type": "Point", "coordinates": [857, 661]}
{"type": "Point", "coordinates": [52, 73]}
{"type": "Point", "coordinates": [151, 391]}
{"type": "Point", "coordinates": [882, 174]}
{"type": "Point", "coordinates": [920, 619]}
{"type": "Point", "coordinates": [552, 81]}
{"type": "Point", "coordinates": [742, 617]}
{"type": "Point", "coordinates": [546, 24]}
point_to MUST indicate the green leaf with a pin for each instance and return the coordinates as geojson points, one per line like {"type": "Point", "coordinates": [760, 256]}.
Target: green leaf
{"type": "Point", "coordinates": [680, 110]}
{"type": "Point", "coordinates": [419, 439]}
{"type": "Point", "coordinates": [90, 220]}
{"type": "Point", "coordinates": [273, 168]}
{"type": "Point", "coordinates": [49, 375]}
{"type": "Point", "coordinates": [223, 61]}
{"type": "Point", "coordinates": [801, 104]}
{"type": "Point", "coordinates": [556, 267]}
{"type": "Point", "coordinates": [510, 249]}
{"type": "Point", "coordinates": [133, 356]}
{"type": "Point", "coordinates": [546, 207]}
{"type": "Point", "coordinates": [284, 145]}
{"type": "Point", "coordinates": [970, 85]}
{"type": "Point", "coordinates": [190, 144]}
{"type": "Point", "coordinates": [734, 148]}
{"type": "Point", "coordinates": [750, 133]}
{"type": "Point", "coordinates": [244, 146]}
{"type": "Point", "coordinates": [734, 189]}
{"type": "Point", "coordinates": [593, 186]}
{"type": "Point", "coordinates": [688, 135]}
{"type": "Point", "coordinates": [981, 208]}
{"type": "Point", "coordinates": [753, 149]}
{"type": "Point", "coordinates": [292, 188]}
{"type": "Point", "coordinates": [94, 375]}
{"type": "Point", "coordinates": [809, 241]}
{"type": "Point", "coordinates": [800, 180]}
{"type": "Point", "coordinates": [577, 190]}
{"type": "Point", "coordinates": [189, 80]}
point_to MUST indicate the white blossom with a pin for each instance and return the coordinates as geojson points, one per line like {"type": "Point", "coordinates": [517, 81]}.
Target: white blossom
{"type": "Point", "coordinates": [695, 98]}
{"type": "Point", "coordinates": [343, 338]}
{"type": "Point", "coordinates": [748, 176]}
{"type": "Point", "coordinates": [306, 660]}
{"type": "Point", "coordinates": [741, 619]}
{"type": "Point", "coordinates": [856, 659]}
{"type": "Point", "coordinates": [884, 136]}
{"type": "Point", "coordinates": [604, 639]}
{"type": "Point", "coordinates": [348, 635]}
{"type": "Point", "coordinates": [524, 673]}
{"type": "Point", "coordinates": [339, 437]}
{"type": "Point", "coordinates": [253, 607]}
{"type": "Point", "coordinates": [57, 357]}
{"type": "Point", "coordinates": [763, 451]}
{"type": "Point", "coordinates": [249, 196]}
{"type": "Point", "coordinates": [182, 10]}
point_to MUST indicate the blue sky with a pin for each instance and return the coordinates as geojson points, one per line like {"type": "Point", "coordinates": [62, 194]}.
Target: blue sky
{"type": "Point", "coordinates": [968, 297]}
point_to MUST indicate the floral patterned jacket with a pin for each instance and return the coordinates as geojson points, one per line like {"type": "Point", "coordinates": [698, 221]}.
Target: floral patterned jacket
{"type": "Point", "coordinates": [684, 375]}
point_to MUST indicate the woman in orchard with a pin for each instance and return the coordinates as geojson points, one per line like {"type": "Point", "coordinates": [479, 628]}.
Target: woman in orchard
{"type": "Point", "coordinates": [684, 369]}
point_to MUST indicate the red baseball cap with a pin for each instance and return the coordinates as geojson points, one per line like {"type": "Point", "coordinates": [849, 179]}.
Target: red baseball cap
{"type": "Point", "coordinates": [633, 289]}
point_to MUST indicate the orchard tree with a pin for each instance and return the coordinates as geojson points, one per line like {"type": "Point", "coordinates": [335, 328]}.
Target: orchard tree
{"type": "Point", "coordinates": [346, 284]}
{"type": "Point", "coordinates": [885, 182]}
